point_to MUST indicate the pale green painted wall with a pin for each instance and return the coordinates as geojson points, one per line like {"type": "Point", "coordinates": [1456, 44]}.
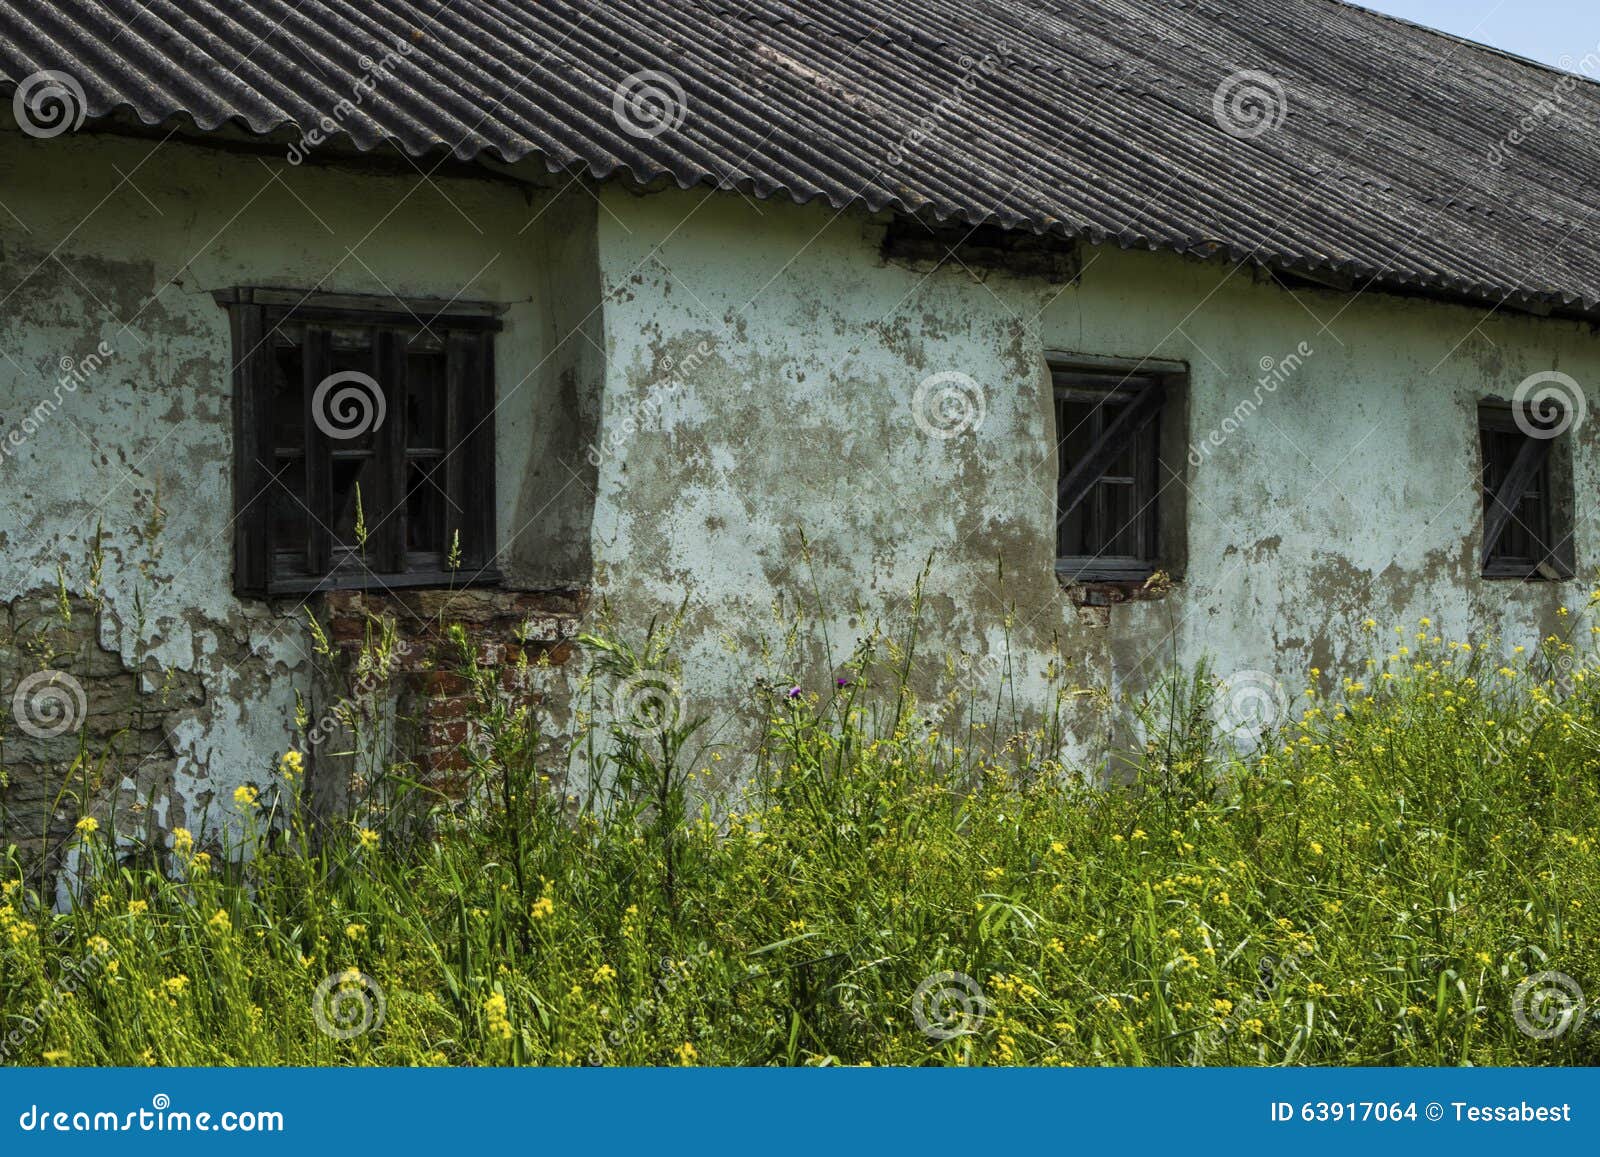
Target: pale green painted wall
{"type": "Point", "coordinates": [688, 381]}
{"type": "Point", "coordinates": [1350, 493]}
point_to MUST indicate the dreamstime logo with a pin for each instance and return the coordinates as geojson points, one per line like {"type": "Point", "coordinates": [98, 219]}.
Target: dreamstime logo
{"type": "Point", "coordinates": [74, 373]}
{"type": "Point", "coordinates": [48, 704]}
{"type": "Point", "coordinates": [48, 104]}
{"type": "Point", "coordinates": [1271, 974]}
{"type": "Point", "coordinates": [647, 704]}
{"type": "Point", "coordinates": [1542, 110]}
{"type": "Point", "coordinates": [348, 404]}
{"type": "Point", "coordinates": [373, 673]}
{"type": "Point", "coordinates": [948, 405]}
{"type": "Point", "coordinates": [1548, 404]}
{"type": "Point", "coordinates": [348, 1004]}
{"type": "Point", "coordinates": [648, 408]}
{"type": "Point", "coordinates": [372, 71]}
{"type": "Point", "coordinates": [672, 974]}
{"type": "Point", "coordinates": [1274, 373]}
{"type": "Point", "coordinates": [74, 974]}
{"type": "Point", "coordinates": [1547, 1004]}
{"type": "Point", "coordinates": [1528, 722]}
{"type": "Point", "coordinates": [1249, 103]}
{"type": "Point", "coordinates": [649, 103]}
{"type": "Point", "coordinates": [927, 125]}
{"type": "Point", "coordinates": [1249, 704]}
{"type": "Point", "coordinates": [972, 674]}
{"type": "Point", "coordinates": [948, 1005]}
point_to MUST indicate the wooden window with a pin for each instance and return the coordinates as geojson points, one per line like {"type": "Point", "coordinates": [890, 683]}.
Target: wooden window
{"type": "Point", "coordinates": [1527, 532]}
{"type": "Point", "coordinates": [340, 398]}
{"type": "Point", "coordinates": [1109, 440]}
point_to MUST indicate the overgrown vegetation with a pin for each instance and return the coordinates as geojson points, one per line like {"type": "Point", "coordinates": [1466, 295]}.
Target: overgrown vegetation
{"type": "Point", "coordinates": [1370, 886]}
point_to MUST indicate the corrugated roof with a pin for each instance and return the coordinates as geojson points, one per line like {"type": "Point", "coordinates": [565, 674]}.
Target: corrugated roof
{"type": "Point", "coordinates": [1093, 117]}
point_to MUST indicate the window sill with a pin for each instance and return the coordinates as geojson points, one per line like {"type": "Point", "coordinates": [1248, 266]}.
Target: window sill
{"type": "Point", "coordinates": [1524, 575]}
{"type": "Point", "coordinates": [1086, 591]}
{"type": "Point", "coordinates": [446, 580]}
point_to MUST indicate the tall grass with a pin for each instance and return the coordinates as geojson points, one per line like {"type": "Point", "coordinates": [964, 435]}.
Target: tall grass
{"type": "Point", "coordinates": [896, 884]}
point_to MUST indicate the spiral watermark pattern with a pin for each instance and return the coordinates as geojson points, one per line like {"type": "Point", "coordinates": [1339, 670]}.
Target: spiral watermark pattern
{"type": "Point", "coordinates": [647, 704]}
{"type": "Point", "coordinates": [1547, 405]}
{"type": "Point", "coordinates": [49, 703]}
{"type": "Point", "coordinates": [648, 103]}
{"type": "Point", "coordinates": [948, 1005]}
{"type": "Point", "coordinates": [160, 1101]}
{"type": "Point", "coordinates": [1547, 1004]}
{"type": "Point", "coordinates": [948, 405]}
{"type": "Point", "coordinates": [348, 404]}
{"type": "Point", "coordinates": [49, 103]}
{"type": "Point", "coordinates": [348, 1004]}
{"type": "Point", "coordinates": [1248, 104]}
{"type": "Point", "coordinates": [1249, 704]}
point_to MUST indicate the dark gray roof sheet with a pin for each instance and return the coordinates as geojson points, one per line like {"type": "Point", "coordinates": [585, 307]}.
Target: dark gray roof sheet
{"type": "Point", "coordinates": [1091, 117]}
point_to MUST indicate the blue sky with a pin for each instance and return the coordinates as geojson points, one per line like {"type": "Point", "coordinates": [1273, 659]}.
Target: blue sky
{"type": "Point", "coordinates": [1544, 30]}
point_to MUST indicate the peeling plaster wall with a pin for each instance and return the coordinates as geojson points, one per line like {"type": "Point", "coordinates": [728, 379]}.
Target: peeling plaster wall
{"type": "Point", "coordinates": [88, 257]}
{"type": "Point", "coordinates": [688, 383]}
{"type": "Point", "coordinates": [1350, 493]}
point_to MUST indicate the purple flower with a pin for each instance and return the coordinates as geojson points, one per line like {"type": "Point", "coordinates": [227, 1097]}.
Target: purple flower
{"type": "Point", "coordinates": [841, 681]}
{"type": "Point", "coordinates": [794, 692]}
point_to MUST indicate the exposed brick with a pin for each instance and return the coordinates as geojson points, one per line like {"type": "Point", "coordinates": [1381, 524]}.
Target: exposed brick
{"type": "Point", "coordinates": [441, 734]}
{"type": "Point", "coordinates": [446, 759]}
{"type": "Point", "coordinates": [510, 632]}
{"type": "Point", "coordinates": [445, 710]}
{"type": "Point", "coordinates": [438, 684]}
{"type": "Point", "coordinates": [120, 716]}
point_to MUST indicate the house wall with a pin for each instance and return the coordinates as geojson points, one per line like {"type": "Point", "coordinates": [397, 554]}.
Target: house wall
{"type": "Point", "coordinates": [1350, 492]}
{"type": "Point", "coordinates": [688, 384]}
{"type": "Point", "coordinates": [116, 436]}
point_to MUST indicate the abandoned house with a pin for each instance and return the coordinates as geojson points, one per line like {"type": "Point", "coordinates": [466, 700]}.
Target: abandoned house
{"type": "Point", "coordinates": [1285, 305]}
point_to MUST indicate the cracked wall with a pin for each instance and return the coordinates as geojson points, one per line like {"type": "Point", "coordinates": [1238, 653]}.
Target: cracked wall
{"type": "Point", "coordinates": [1349, 492]}
{"type": "Point", "coordinates": [116, 437]}
{"type": "Point", "coordinates": [686, 384]}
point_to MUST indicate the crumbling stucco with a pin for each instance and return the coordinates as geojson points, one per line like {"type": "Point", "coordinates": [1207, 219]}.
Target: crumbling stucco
{"type": "Point", "coordinates": [1348, 492]}
{"type": "Point", "coordinates": [688, 384]}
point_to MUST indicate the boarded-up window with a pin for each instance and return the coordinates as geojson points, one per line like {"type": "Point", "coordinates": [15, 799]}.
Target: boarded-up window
{"type": "Point", "coordinates": [1109, 440]}
{"type": "Point", "coordinates": [1527, 526]}
{"type": "Point", "coordinates": [364, 435]}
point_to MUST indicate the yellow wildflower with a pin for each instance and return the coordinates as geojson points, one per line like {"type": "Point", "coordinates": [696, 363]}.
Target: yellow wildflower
{"type": "Point", "coordinates": [499, 1016]}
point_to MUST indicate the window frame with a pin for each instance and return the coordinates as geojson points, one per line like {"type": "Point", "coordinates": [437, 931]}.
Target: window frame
{"type": "Point", "coordinates": [1162, 385]}
{"type": "Point", "coordinates": [1551, 479]}
{"type": "Point", "coordinates": [465, 331]}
